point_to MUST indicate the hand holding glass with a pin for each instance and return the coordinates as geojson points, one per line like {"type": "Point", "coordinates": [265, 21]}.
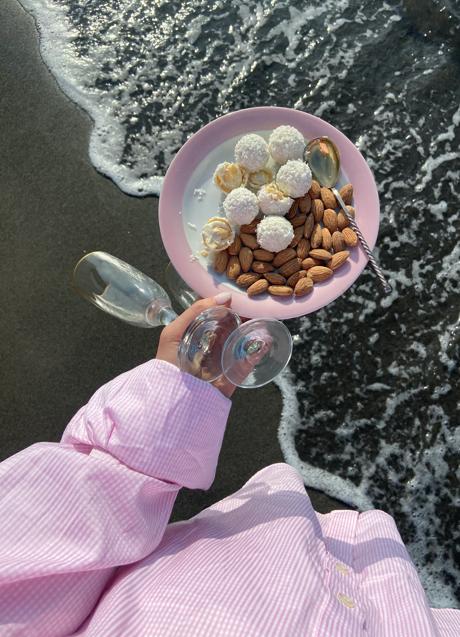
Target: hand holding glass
{"type": "Point", "coordinates": [216, 343]}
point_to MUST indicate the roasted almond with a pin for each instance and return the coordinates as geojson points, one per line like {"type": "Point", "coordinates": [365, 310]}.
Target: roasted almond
{"type": "Point", "coordinates": [290, 267]}
{"type": "Point", "coordinates": [263, 255]}
{"type": "Point", "coordinates": [249, 240]}
{"type": "Point", "coordinates": [246, 258]}
{"type": "Point", "coordinates": [235, 248]}
{"type": "Point", "coordinates": [338, 259]}
{"type": "Point", "coordinates": [320, 254]}
{"type": "Point", "coordinates": [309, 262]}
{"type": "Point", "coordinates": [220, 262]}
{"type": "Point", "coordinates": [305, 204]}
{"type": "Point", "coordinates": [328, 198]}
{"type": "Point", "coordinates": [245, 280]}
{"type": "Point", "coordinates": [293, 210]}
{"type": "Point", "coordinates": [298, 221]}
{"type": "Point", "coordinates": [330, 220]}
{"type": "Point", "coordinates": [280, 290]}
{"type": "Point", "coordinates": [303, 248]}
{"type": "Point", "coordinates": [233, 267]}
{"type": "Point", "coordinates": [303, 286]}
{"type": "Point", "coordinates": [316, 238]}
{"type": "Point", "coordinates": [319, 273]}
{"type": "Point", "coordinates": [298, 234]}
{"type": "Point", "coordinates": [295, 277]}
{"type": "Point", "coordinates": [274, 278]}
{"type": "Point", "coordinates": [261, 267]}
{"type": "Point", "coordinates": [338, 242]}
{"type": "Point", "coordinates": [350, 238]}
{"type": "Point", "coordinates": [346, 192]}
{"type": "Point", "coordinates": [315, 190]}
{"type": "Point", "coordinates": [258, 287]}
{"type": "Point", "coordinates": [342, 221]}
{"type": "Point", "coordinates": [283, 257]}
{"type": "Point", "coordinates": [327, 239]}
{"type": "Point", "coordinates": [317, 208]}
{"type": "Point", "coordinates": [250, 228]}
{"type": "Point", "coordinates": [309, 225]}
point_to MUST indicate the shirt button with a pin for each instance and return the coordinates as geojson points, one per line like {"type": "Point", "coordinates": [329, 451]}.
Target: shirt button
{"type": "Point", "coordinates": [345, 600]}
{"type": "Point", "coordinates": [341, 568]}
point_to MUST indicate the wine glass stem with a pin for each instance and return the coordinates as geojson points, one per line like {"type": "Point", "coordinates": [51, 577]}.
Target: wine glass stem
{"type": "Point", "coordinates": [166, 315]}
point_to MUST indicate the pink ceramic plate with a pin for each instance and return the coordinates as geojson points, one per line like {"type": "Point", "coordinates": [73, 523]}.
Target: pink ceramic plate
{"type": "Point", "coordinates": [189, 197]}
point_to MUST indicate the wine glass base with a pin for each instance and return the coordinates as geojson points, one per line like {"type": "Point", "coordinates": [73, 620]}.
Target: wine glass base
{"type": "Point", "coordinates": [256, 352]}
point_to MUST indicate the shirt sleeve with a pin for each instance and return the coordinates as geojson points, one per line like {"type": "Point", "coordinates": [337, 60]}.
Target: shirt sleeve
{"type": "Point", "coordinates": [70, 513]}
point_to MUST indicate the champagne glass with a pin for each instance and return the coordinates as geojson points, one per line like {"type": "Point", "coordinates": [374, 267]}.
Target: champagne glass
{"type": "Point", "coordinates": [216, 343]}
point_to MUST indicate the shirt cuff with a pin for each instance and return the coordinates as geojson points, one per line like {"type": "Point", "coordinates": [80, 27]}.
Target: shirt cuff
{"type": "Point", "coordinates": [157, 420]}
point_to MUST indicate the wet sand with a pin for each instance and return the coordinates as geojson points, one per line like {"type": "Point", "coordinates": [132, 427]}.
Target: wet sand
{"type": "Point", "coordinates": [56, 350]}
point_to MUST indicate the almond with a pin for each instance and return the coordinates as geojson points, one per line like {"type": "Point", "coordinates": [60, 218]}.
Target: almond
{"type": "Point", "coordinates": [338, 242]}
{"type": "Point", "coordinates": [303, 248]}
{"type": "Point", "coordinates": [298, 234]}
{"type": "Point", "coordinates": [330, 220]}
{"type": "Point", "coordinates": [220, 262]}
{"type": "Point", "coordinates": [338, 259]}
{"type": "Point", "coordinates": [263, 255]}
{"type": "Point", "coordinates": [315, 190]}
{"type": "Point", "coordinates": [350, 238]}
{"type": "Point", "coordinates": [319, 273]}
{"type": "Point", "coordinates": [317, 208]}
{"type": "Point", "coordinates": [293, 210]}
{"type": "Point", "coordinates": [298, 221]}
{"type": "Point", "coordinates": [234, 249]}
{"type": "Point", "coordinates": [275, 279]}
{"type": "Point", "coordinates": [346, 192]}
{"type": "Point", "coordinates": [309, 262]}
{"type": "Point", "coordinates": [320, 254]}
{"type": "Point", "coordinates": [258, 287]}
{"type": "Point", "coordinates": [305, 204]}
{"type": "Point", "coordinates": [292, 281]}
{"type": "Point", "coordinates": [261, 267]}
{"type": "Point", "coordinates": [316, 238]}
{"type": "Point", "coordinates": [290, 267]}
{"type": "Point", "coordinates": [280, 290]}
{"type": "Point", "coordinates": [342, 220]}
{"type": "Point", "coordinates": [309, 225]}
{"type": "Point", "coordinates": [245, 280]}
{"type": "Point", "coordinates": [328, 198]}
{"type": "Point", "coordinates": [303, 286]}
{"type": "Point", "coordinates": [327, 239]}
{"type": "Point", "coordinates": [250, 228]}
{"type": "Point", "coordinates": [233, 267]}
{"type": "Point", "coordinates": [246, 258]}
{"type": "Point", "coordinates": [249, 240]}
{"type": "Point", "coordinates": [283, 257]}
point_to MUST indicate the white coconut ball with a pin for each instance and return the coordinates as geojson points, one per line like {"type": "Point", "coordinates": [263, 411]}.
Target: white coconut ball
{"type": "Point", "coordinates": [241, 206]}
{"type": "Point", "coordinates": [251, 152]}
{"type": "Point", "coordinates": [294, 178]}
{"type": "Point", "coordinates": [272, 201]}
{"type": "Point", "coordinates": [274, 233]}
{"type": "Point", "coordinates": [285, 143]}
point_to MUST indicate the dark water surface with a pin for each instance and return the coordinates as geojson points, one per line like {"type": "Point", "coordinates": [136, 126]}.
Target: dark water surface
{"type": "Point", "coordinates": [371, 398]}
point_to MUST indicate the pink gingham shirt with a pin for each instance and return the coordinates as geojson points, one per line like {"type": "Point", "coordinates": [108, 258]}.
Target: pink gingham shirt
{"type": "Point", "coordinates": [86, 548]}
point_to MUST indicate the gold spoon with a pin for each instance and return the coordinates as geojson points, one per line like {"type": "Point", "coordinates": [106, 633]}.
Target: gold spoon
{"type": "Point", "coordinates": [324, 159]}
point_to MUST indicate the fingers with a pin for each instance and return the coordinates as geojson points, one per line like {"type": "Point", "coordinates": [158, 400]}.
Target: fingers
{"type": "Point", "coordinates": [175, 330]}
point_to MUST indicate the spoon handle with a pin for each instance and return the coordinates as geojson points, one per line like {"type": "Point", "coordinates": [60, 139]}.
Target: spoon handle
{"type": "Point", "coordinates": [373, 263]}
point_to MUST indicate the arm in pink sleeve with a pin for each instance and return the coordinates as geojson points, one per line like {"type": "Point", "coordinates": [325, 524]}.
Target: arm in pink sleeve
{"type": "Point", "coordinates": [70, 513]}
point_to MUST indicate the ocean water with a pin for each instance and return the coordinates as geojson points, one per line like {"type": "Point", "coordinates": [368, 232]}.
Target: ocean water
{"type": "Point", "coordinates": [371, 401]}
